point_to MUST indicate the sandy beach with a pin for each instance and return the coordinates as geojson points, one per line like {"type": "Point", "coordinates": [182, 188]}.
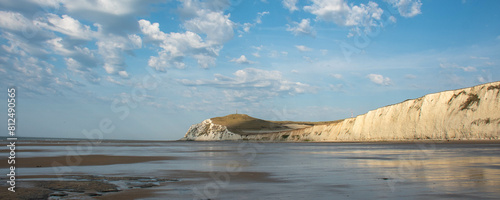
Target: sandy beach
{"type": "Point", "coordinates": [82, 160]}
{"type": "Point", "coordinates": [237, 170]}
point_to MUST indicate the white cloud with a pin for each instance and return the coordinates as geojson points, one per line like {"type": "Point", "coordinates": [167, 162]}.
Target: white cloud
{"type": "Point", "coordinates": [85, 72]}
{"type": "Point", "coordinates": [199, 19]}
{"type": "Point", "coordinates": [123, 74]}
{"type": "Point", "coordinates": [112, 80]}
{"type": "Point", "coordinates": [252, 84]}
{"type": "Point", "coordinates": [111, 48]}
{"type": "Point", "coordinates": [152, 31]}
{"type": "Point", "coordinates": [393, 19]}
{"type": "Point", "coordinates": [259, 48]}
{"type": "Point", "coordinates": [481, 79]}
{"type": "Point", "coordinates": [135, 40]}
{"type": "Point", "coordinates": [103, 6]}
{"type": "Point", "coordinates": [260, 15]}
{"type": "Point", "coordinates": [469, 69]}
{"type": "Point", "coordinates": [241, 60]}
{"type": "Point", "coordinates": [58, 47]}
{"type": "Point", "coordinates": [67, 25]}
{"type": "Point", "coordinates": [379, 79]}
{"type": "Point", "coordinates": [364, 15]}
{"type": "Point", "coordinates": [39, 30]}
{"type": "Point", "coordinates": [303, 48]}
{"type": "Point", "coordinates": [258, 20]}
{"type": "Point", "coordinates": [247, 26]}
{"type": "Point", "coordinates": [337, 76]}
{"type": "Point", "coordinates": [14, 21]}
{"type": "Point", "coordinates": [290, 5]}
{"type": "Point", "coordinates": [407, 8]}
{"type": "Point", "coordinates": [116, 17]}
{"type": "Point", "coordinates": [453, 65]}
{"type": "Point", "coordinates": [336, 87]}
{"type": "Point", "coordinates": [215, 25]}
{"type": "Point", "coordinates": [341, 13]}
{"type": "Point", "coordinates": [480, 58]}
{"type": "Point", "coordinates": [176, 46]}
{"type": "Point", "coordinates": [302, 28]}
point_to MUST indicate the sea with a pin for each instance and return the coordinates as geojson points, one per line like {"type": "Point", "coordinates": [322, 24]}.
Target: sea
{"type": "Point", "coordinates": [265, 170]}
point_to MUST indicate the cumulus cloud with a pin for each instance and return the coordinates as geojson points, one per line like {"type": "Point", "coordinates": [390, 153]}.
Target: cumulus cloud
{"type": "Point", "coordinates": [47, 33]}
{"type": "Point", "coordinates": [176, 46]}
{"type": "Point", "coordinates": [241, 60]}
{"type": "Point", "coordinates": [407, 8]}
{"type": "Point", "coordinates": [87, 37]}
{"type": "Point", "coordinates": [199, 19]}
{"type": "Point", "coordinates": [303, 48]}
{"type": "Point", "coordinates": [379, 79]}
{"type": "Point", "coordinates": [252, 84]}
{"type": "Point", "coordinates": [215, 25]}
{"type": "Point", "coordinates": [341, 13]}
{"type": "Point", "coordinates": [290, 5]}
{"type": "Point", "coordinates": [302, 28]}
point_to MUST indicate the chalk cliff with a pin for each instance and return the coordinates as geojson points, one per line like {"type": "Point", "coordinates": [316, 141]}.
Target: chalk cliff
{"type": "Point", "coordinates": [464, 114]}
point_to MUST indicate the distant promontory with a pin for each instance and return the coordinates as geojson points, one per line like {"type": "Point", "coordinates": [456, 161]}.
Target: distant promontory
{"type": "Point", "coordinates": [464, 114]}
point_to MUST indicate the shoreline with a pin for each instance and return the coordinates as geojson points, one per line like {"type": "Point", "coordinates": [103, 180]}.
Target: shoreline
{"type": "Point", "coordinates": [485, 141]}
{"type": "Point", "coordinates": [112, 142]}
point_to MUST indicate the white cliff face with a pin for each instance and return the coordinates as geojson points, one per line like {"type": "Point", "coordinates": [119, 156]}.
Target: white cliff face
{"type": "Point", "coordinates": [464, 114]}
{"type": "Point", "coordinates": [208, 131]}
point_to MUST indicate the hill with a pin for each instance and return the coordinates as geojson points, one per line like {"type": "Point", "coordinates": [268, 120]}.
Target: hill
{"type": "Point", "coordinates": [465, 114]}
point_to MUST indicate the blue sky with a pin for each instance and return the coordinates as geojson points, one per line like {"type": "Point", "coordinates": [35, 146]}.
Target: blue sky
{"type": "Point", "coordinates": [153, 68]}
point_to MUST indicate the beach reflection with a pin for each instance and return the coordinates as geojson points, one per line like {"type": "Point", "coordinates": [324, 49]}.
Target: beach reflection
{"type": "Point", "coordinates": [290, 170]}
{"type": "Point", "coordinates": [441, 171]}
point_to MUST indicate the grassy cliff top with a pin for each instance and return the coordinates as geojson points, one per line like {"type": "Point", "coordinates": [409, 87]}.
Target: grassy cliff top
{"type": "Point", "coordinates": [239, 123]}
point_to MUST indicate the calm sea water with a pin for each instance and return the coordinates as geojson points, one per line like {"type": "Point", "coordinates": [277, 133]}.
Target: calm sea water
{"type": "Point", "coordinates": [232, 170]}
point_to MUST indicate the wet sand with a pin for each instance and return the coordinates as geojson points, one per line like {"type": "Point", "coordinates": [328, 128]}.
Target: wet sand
{"type": "Point", "coordinates": [113, 187]}
{"type": "Point", "coordinates": [199, 170]}
{"type": "Point", "coordinates": [81, 160]}
{"type": "Point", "coordinates": [81, 187]}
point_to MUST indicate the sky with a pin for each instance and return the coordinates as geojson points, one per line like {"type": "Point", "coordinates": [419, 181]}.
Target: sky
{"type": "Point", "coordinates": [149, 69]}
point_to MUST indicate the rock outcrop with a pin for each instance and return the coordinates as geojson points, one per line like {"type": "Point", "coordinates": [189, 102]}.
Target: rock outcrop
{"type": "Point", "coordinates": [465, 114]}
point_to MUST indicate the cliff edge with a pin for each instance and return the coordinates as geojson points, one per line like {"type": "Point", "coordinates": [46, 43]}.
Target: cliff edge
{"type": "Point", "coordinates": [464, 114]}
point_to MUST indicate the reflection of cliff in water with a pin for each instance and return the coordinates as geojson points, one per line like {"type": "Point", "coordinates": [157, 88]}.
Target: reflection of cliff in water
{"type": "Point", "coordinates": [441, 170]}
